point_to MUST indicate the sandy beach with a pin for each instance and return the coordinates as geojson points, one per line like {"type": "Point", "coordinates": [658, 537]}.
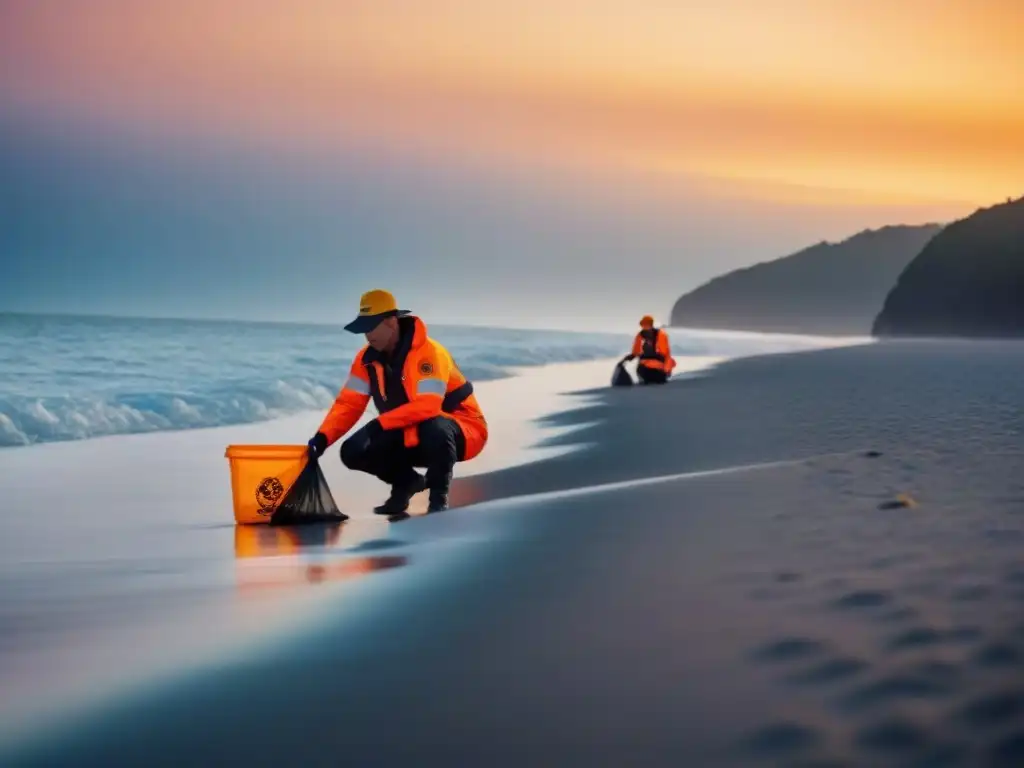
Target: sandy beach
{"type": "Point", "coordinates": [228, 226]}
{"type": "Point", "coordinates": [797, 559]}
{"type": "Point", "coordinates": [117, 549]}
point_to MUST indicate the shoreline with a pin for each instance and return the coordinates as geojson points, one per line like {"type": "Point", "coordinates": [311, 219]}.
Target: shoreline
{"type": "Point", "coordinates": [758, 615]}
{"type": "Point", "coordinates": [692, 347]}
{"type": "Point", "coordinates": [193, 573]}
{"type": "Point", "coordinates": [147, 542]}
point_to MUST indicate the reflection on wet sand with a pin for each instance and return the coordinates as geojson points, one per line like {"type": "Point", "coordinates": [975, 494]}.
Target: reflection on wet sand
{"type": "Point", "coordinates": [273, 541]}
{"type": "Point", "coordinates": [272, 558]}
{"type": "Point", "coordinates": [465, 491]}
{"type": "Point", "coordinates": [269, 557]}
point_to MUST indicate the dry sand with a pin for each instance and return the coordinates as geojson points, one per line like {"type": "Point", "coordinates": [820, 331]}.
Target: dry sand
{"type": "Point", "coordinates": [774, 607]}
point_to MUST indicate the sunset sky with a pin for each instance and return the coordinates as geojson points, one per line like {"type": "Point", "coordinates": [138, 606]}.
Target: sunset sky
{"type": "Point", "coordinates": [791, 121]}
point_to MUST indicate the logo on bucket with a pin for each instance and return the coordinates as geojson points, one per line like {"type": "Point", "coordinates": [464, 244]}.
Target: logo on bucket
{"type": "Point", "coordinates": [268, 493]}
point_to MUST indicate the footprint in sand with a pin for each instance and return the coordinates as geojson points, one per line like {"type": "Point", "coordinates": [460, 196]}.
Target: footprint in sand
{"type": "Point", "coordinates": [787, 577]}
{"type": "Point", "coordinates": [897, 615]}
{"type": "Point", "coordinates": [835, 670]}
{"type": "Point", "coordinates": [816, 670]}
{"type": "Point", "coordinates": [972, 594]}
{"type": "Point", "coordinates": [864, 598]}
{"type": "Point", "coordinates": [926, 637]}
{"type": "Point", "coordinates": [892, 737]}
{"type": "Point", "coordinates": [995, 709]}
{"type": "Point", "coordinates": [789, 649]}
{"type": "Point", "coordinates": [1008, 752]}
{"type": "Point", "coordinates": [999, 654]}
{"type": "Point", "coordinates": [929, 680]}
{"type": "Point", "coordinates": [780, 740]}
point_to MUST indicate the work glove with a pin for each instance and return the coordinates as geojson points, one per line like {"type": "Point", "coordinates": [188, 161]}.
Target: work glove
{"type": "Point", "coordinates": [317, 445]}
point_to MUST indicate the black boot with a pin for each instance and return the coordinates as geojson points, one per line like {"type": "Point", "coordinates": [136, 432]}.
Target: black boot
{"type": "Point", "coordinates": [438, 502]}
{"type": "Point", "coordinates": [401, 495]}
{"type": "Point", "coordinates": [438, 491]}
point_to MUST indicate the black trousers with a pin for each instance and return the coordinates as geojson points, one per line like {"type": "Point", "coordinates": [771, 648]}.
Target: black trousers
{"type": "Point", "coordinates": [441, 445]}
{"type": "Point", "coordinates": [650, 375]}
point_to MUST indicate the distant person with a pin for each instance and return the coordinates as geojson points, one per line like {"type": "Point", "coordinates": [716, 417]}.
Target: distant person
{"type": "Point", "coordinates": [428, 414]}
{"type": "Point", "coordinates": [651, 350]}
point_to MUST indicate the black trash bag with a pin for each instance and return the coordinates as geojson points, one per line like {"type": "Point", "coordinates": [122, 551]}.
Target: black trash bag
{"type": "Point", "coordinates": [621, 377]}
{"type": "Point", "coordinates": [309, 500]}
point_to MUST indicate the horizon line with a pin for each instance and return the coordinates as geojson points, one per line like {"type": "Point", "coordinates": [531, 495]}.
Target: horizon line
{"type": "Point", "coordinates": [251, 321]}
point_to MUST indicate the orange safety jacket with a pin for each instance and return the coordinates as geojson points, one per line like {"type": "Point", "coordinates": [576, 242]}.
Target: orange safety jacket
{"type": "Point", "coordinates": [419, 381]}
{"type": "Point", "coordinates": [652, 348]}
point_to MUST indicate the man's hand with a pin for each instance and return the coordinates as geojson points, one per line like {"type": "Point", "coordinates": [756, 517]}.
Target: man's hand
{"type": "Point", "coordinates": [627, 358]}
{"type": "Point", "coordinates": [317, 445]}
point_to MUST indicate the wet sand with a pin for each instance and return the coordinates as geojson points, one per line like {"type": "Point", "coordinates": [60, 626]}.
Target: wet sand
{"type": "Point", "coordinates": [795, 560]}
{"type": "Point", "coordinates": [120, 562]}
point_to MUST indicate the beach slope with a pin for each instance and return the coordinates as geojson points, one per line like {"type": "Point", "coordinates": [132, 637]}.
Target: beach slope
{"type": "Point", "coordinates": [808, 559]}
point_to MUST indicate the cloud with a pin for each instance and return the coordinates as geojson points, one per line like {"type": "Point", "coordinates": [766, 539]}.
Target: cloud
{"type": "Point", "coordinates": [489, 158]}
{"type": "Point", "coordinates": [836, 95]}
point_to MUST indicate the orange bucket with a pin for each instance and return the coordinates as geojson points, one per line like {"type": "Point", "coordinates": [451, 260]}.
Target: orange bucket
{"type": "Point", "coordinates": [261, 476]}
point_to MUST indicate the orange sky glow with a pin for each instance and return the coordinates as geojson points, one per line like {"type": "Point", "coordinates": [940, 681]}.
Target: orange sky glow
{"type": "Point", "coordinates": [874, 101]}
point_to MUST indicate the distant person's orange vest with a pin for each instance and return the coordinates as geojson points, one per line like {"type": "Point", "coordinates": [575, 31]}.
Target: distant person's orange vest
{"type": "Point", "coordinates": [651, 348]}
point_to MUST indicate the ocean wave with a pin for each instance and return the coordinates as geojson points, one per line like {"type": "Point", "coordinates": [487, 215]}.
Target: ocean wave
{"type": "Point", "coordinates": [96, 407]}
{"type": "Point", "coordinates": [72, 378]}
{"type": "Point", "coordinates": [26, 420]}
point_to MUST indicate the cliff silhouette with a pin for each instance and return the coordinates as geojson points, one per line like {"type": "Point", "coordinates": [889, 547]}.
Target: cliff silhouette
{"type": "Point", "coordinates": [827, 289]}
{"type": "Point", "coordinates": [967, 282]}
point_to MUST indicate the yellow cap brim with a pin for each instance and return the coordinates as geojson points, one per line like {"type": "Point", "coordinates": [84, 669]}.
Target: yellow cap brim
{"type": "Point", "coordinates": [366, 323]}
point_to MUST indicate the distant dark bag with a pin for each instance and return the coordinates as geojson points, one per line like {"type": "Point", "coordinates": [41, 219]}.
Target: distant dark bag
{"type": "Point", "coordinates": [309, 500]}
{"type": "Point", "coordinates": [621, 377]}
